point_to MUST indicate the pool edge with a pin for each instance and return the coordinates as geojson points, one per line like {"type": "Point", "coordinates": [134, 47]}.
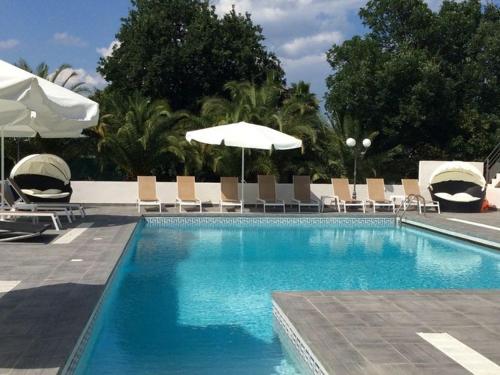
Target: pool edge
{"type": "Point", "coordinates": [73, 359]}
{"type": "Point", "coordinates": [453, 234]}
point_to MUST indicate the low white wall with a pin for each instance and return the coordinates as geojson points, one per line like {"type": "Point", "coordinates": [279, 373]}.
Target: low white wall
{"type": "Point", "coordinates": [121, 192]}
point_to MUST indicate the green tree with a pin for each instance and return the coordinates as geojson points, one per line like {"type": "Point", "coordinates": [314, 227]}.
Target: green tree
{"type": "Point", "coordinates": [292, 110]}
{"type": "Point", "coordinates": [181, 51]}
{"type": "Point", "coordinates": [140, 136]}
{"type": "Point", "coordinates": [426, 81]}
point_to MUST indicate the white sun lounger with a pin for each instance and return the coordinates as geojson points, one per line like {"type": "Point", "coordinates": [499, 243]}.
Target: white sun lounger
{"type": "Point", "coordinates": [376, 194]}
{"type": "Point", "coordinates": [148, 196]}
{"type": "Point", "coordinates": [302, 193]}
{"type": "Point", "coordinates": [186, 193]}
{"type": "Point", "coordinates": [267, 192]}
{"type": "Point", "coordinates": [229, 193]}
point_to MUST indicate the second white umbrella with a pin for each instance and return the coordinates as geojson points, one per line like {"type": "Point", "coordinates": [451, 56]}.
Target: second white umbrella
{"type": "Point", "coordinates": [245, 135]}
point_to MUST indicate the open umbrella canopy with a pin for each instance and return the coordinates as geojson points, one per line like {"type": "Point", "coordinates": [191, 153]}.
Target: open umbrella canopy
{"type": "Point", "coordinates": [56, 110]}
{"type": "Point", "coordinates": [12, 114]}
{"type": "Point", "coordinates": [245, 135]}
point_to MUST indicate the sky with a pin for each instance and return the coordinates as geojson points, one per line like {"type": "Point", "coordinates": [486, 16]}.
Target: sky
{"type": "Point", "coordinates": [78, 32]}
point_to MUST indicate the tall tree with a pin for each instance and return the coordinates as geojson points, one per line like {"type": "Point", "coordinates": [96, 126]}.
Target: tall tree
{"type": "Point", "coordinates": [180, 50]}
{"type": "Point", "coordinates": [140, 136]}
{"type": "Point", "coordinates": [426, 81]}
{"type": "Point", "coordinates": [292, 110]}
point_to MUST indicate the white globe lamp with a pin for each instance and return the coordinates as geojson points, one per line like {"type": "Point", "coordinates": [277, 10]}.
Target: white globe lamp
{"type": "Point", "coordinates": [367, 143]}
{"type": "Point", "coordinates": [351, 142]}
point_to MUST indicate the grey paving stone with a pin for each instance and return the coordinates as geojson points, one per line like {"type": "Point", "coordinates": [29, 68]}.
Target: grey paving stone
{"type": "Point", "coordinates": [387, 341]}
{"type": "Point", "coordinates": [42, 318]}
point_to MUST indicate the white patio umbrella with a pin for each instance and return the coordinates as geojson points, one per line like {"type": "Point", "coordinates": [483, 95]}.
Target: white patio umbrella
{"type": "Point", "coordinates": [55, 112]}
{"type": "Point", "coordinates": [245, 135]}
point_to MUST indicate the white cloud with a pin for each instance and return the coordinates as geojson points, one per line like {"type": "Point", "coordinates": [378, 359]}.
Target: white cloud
{"type": "Point", "coordinates": [91, 80]}
{"type": "Point", "coordinates": [304, 61]}
{"type": "Point", "coordinates": [8, 43]}
{"type": "Point", "coordinates": [68, 40]}
{"type": "Point", "coordinates": [301, 31]}
{"type": "Point", "coordinates": [321, 41]}
{"type": "Point", "coordinates": [107, 51]}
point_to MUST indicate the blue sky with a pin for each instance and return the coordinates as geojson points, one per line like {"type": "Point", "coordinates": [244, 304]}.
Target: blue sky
{"type": "Point", "coordinates": [78, 32]}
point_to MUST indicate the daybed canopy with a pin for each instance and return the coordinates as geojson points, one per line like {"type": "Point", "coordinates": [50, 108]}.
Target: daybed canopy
{"type": "Point", "coordinates": [458, 187]}
{"type": "Point", "coordinates": [43, 177]}
{"type": "Point", "coordinates": [43, 164]}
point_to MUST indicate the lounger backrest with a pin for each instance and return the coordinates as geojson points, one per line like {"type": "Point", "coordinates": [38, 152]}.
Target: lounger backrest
{"type": "Point", "coordinates": [229, 188]}
{"type": "Point", "coordinates": [341, 188]}
{"type": "Point", "coordinates": [302, 188]}
{"type": "Point", "coordinates": [19, 191]}
{"type": "Point", "coordinates": [410, 186]}
{"type": "Point", "coordinates": [147, 188]}
{"type": "Point", "coordinates": [376, 189]}
{"type": "Point", "coordinates": [7, 195]}
{"type": "Point", "coordinates": [267, 187]}
{"type": "Point", "coordinates": [185, 188]}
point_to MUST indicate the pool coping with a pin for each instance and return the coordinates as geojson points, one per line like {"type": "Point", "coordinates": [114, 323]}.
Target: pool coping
{"type": "Point", "coordinates": [450, 233]}
{"type": "Point", "coordinates": [319, 309]}
{"type": "Point", "coordinates": [69, 367]}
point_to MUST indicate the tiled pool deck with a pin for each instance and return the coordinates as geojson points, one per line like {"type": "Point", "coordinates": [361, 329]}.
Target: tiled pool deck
{"type": "Point", "coordinates": [374, 333]}
{"type": "Point", "coordinates": [48, 291]}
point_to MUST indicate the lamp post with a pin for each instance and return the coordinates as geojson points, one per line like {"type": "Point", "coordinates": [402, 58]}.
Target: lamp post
{"type": "Point", "coordinates": [351, 143]}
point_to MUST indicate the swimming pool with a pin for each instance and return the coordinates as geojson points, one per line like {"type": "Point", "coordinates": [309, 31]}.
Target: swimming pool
{"type": "Point", "coordinates": [192, 295]}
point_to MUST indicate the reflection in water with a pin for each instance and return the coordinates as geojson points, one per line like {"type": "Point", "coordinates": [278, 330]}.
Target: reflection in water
{"type": "Point", "coordinates": [195, 300]}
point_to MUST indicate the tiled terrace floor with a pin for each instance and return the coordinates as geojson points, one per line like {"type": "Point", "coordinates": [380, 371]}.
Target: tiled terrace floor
{"type": "Point", "coordinates": [488, 235]}
{"type": "Point", "coordinates": [52, 296]}
{"type": "Point", "coordinates": [375, 333]}
{"type": "Point", "coordinates": [43, 316]}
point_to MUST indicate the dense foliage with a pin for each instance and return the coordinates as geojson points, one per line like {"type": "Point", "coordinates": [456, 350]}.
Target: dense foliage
{"type": "Point", "coordinates": [181, 51]}
{"type": "Point", "coordinates": [420, 84]}
{"type": "Point", "coordinates": [426, 82]}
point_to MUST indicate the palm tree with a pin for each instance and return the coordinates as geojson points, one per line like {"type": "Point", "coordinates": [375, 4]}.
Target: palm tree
{"type": "Point", "coordinates": [141, 137]}
{"type": "Point", "coordinates": [70, 81]}
{"type": "Point", "coordinates": [293, 111]}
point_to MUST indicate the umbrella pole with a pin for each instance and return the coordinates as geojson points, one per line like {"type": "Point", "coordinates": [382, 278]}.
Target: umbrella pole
{"type": "Point", "coordinates": [242, 176]}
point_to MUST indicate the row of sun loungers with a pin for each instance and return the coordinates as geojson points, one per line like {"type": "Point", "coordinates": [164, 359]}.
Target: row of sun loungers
{"type": "Point", "coordinates": [267, 197]}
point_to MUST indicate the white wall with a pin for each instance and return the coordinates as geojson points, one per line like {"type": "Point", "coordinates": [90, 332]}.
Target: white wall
{"type": "Point", "coordinates": [121, 192]}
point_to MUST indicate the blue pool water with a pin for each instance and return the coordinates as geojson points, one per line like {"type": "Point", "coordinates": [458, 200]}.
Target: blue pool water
{"type": "Point", "coordinates": [195, 298]}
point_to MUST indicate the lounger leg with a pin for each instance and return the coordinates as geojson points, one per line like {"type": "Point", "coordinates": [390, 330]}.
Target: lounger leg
{"type": "Point", "coordinates": [68, 216]}
{"type": "Point", "coordinates": [284, 208]}
{"type": "Point", "coordinates": [264, 206]}
{"type": "Point", "coordinates": [200, 208]}
{"type": "Point", "coordinates": [56, 222]}
{"type": "Point", "coordinates": [138, 208]}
